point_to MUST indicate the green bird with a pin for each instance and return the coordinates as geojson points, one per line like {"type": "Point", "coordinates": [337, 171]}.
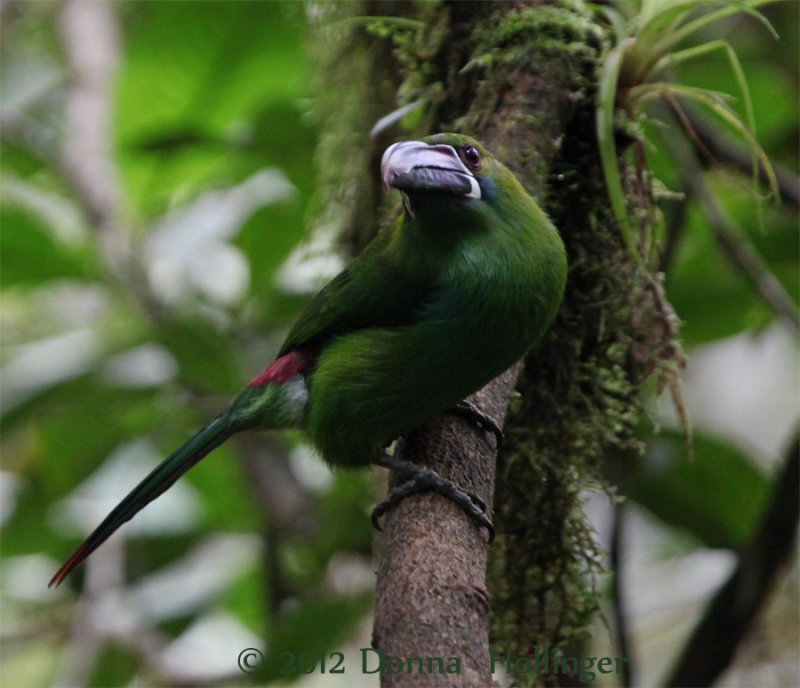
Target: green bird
{"type": "Point", "coordinates": [436, 306]}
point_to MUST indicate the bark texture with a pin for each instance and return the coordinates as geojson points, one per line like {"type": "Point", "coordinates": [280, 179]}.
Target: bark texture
{"type": "Point", "coordinates": [431, 599]}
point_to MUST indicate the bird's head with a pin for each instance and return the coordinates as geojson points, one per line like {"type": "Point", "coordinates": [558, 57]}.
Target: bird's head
{"type": "Point", "coordinates": [445, 167]}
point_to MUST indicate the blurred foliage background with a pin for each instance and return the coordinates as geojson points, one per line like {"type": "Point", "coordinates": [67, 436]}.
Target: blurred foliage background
{"type": "Point", "coordinates": [162, 226]}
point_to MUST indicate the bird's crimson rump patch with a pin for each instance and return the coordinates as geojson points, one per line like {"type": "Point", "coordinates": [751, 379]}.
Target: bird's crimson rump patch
{"type": "Point", "coordinates": [281, 370]}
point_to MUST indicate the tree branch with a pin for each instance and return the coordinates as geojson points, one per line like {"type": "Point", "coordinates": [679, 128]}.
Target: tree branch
{"type": "Point", "coordinates": [713, 643]}
{"type": "Point", "coordinates": [431, 598]}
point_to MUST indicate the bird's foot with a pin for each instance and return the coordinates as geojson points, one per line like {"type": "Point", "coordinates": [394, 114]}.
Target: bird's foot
{"type": "Point", "coordinates": [468, 411]}
{"type": "Point", "coordinates": [421, 479]}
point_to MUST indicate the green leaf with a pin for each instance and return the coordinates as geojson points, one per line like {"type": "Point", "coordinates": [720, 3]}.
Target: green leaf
{"type": "Point", "coordinates": [193, 77]}
{"type": "Point", "coordinates": [31, 255]}
{"type": "Point", "coordinates": [55, 441]}
{"type": "Point", "coordinates": [342, 512]}
{"type": "Point", "coordinates": [245, 599]}
{"type": "Point", "coordinates": [228, 498]}
{"type": "Point", "coordinates": [725, 303]}
{"type": "Point", "coordinates": [315, 626]}
{"type": "Point", "coordinates": [605, 109]}
{"type": "Point", "coordinates": [117, 665]}
{"type": "Point", "coordinates": [206, 356]}
{"type": "Point", "coordinates": [729, 8]}
{"type": "Point", "coordinates": [773, 117]}
{"type": "Point", "coordinates": [717, 497]}
{"type": "Point", "coordinates": [715, 102]}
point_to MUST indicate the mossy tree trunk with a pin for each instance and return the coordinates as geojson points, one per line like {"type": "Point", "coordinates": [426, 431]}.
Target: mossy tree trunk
{"type": "Point", "coordinates": [520, 77]}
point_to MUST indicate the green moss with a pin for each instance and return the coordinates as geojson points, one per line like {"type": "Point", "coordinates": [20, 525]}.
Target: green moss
{"type": "Point", "coordinates": [550, 28]}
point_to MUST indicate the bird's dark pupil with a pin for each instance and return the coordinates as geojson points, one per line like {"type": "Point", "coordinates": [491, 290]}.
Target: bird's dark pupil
{"type": "Point", "coordinates": [471, 155]}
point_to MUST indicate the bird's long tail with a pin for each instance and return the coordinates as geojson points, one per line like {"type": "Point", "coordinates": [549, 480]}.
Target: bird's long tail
{"type": "Point", "coordinates": [156, 483]}
{"type": "Point", "coordinates": [275, 399]}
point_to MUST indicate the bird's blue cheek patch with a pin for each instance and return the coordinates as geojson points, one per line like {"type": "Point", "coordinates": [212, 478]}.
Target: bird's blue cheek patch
{"type": "Point", "coordinates": [487, 188]}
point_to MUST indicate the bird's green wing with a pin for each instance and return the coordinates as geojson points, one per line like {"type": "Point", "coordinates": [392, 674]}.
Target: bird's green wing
{"type": "Point", "coordinates": [372, 292]}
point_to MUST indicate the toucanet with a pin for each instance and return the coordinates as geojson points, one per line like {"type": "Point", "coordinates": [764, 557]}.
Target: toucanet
{"type": "Point", "coordinates": [437, 305]}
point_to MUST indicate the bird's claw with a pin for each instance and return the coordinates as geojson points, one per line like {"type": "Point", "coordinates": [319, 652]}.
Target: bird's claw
{"type": "Point", "coordinates": [421, 479]}
{"type": "Point", "coordinates": [468, 411]}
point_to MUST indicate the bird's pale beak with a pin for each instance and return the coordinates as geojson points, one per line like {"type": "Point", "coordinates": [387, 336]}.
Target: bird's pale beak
{"type": "Point", "coordinates": [417, 166]}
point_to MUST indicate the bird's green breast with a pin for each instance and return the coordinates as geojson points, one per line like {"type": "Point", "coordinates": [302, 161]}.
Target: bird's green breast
{"type": "Point", "coordinates": [496, 289]}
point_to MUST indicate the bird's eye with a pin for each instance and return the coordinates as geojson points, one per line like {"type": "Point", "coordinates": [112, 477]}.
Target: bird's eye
{"type": "Point", "coordinates": [471, 157]}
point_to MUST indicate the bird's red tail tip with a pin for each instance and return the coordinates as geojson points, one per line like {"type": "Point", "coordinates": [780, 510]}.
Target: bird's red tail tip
{"type": "Point", "coordinates": [70, 564]}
